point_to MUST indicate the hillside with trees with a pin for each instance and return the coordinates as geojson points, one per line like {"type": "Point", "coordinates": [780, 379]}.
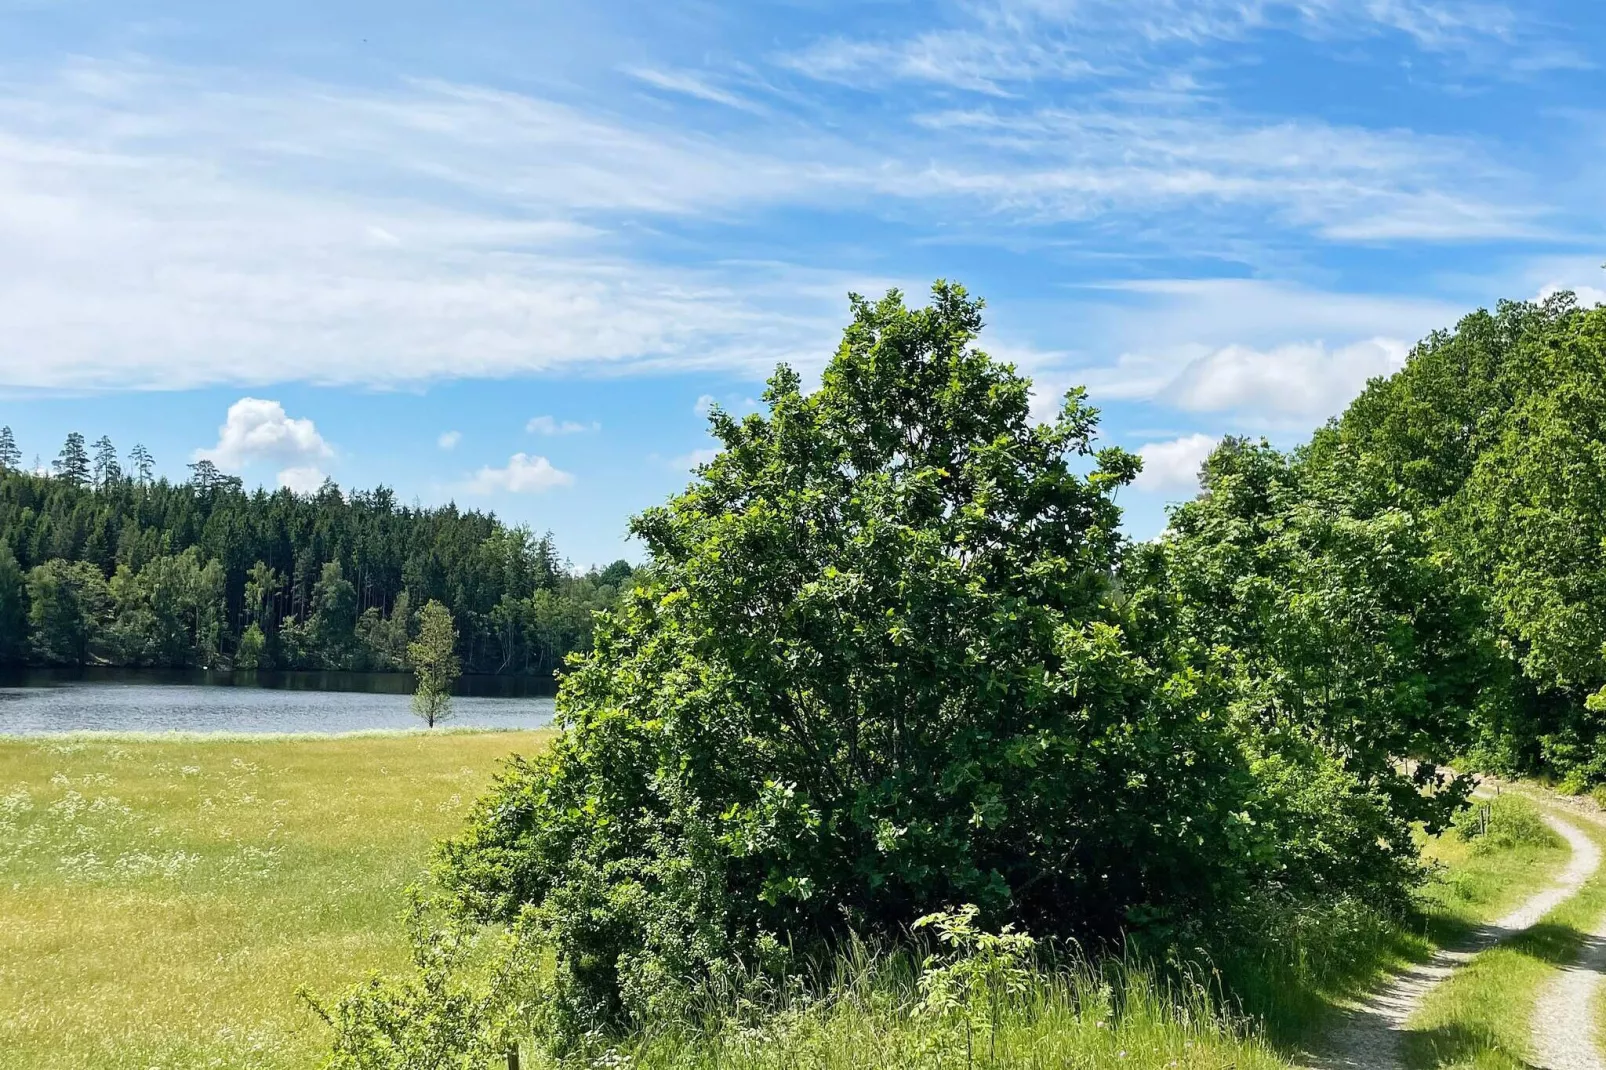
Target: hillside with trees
{"type": "Point", "coordinates": [102, 565]}
{"type": "Point", "coordinates": [1492, 440]}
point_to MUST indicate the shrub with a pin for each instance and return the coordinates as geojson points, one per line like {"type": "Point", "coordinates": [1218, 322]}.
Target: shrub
{"type": "Point", "coordinates": [1511, 821]}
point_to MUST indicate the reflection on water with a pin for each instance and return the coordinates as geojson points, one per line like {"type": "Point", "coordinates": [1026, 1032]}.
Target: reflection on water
{"type": "Point", "coordinates": [127, 700]}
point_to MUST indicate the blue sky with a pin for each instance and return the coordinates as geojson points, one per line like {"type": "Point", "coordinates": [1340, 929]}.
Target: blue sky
{"type": "Point", "coordinates": [506, 254]}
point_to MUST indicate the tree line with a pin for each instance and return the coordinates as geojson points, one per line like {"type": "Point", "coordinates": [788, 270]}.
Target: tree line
{"type": "Point", "coordinates": [102, 563]}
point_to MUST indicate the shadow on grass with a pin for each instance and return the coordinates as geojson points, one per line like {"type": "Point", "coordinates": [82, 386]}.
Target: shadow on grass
{"type": "Point", "coordinates": [1455, 1045]}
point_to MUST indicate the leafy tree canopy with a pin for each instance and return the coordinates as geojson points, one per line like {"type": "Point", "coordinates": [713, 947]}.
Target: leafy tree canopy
{"type": "Point", "coordinates": [882, 664]}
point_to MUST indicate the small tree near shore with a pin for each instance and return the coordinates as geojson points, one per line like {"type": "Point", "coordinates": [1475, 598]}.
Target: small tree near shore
{"type": "Point", "coordinates": [435, 665]}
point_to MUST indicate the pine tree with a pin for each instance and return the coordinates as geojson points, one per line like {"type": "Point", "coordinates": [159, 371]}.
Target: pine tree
{"type": "Point", "coordinates": [204, 474]}
{"type": "Point", "coordinates": [10, 455]}
{"type": "Point", "coordinates": [107, 470]}
{"type": "Point", "coordinates": [73, 463]}
{"type": "Point", "coordinates": [143, 462]}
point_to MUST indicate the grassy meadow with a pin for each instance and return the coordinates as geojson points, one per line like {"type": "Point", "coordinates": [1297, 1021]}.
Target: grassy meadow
{"type": "Point", "coordinates": [161, 901]}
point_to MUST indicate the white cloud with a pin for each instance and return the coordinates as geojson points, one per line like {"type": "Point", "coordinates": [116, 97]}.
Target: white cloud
{"type": "Point", "coordinates": [448, 440]}
{"type": "Point", "coordinates": [252, 235]}
{"type": "Point", "coordinates": [695, 459]}
{"type": "Point", "coordinates": [522, 475]}
{"type": "Point", "coordinates": [1305, 380]}
{"type": "Point", "coordinates": [997, 45]}
{"type": "Point", "coordinates": [704, 404]}
{"type": "Point", "coordinates": [1345, 183]}
{"type": "Point", "coordinates": [257, 429]}
{"type": "Point", "coordinates": [548, 425]}
{"type": "Point", "coordinates": [1174, 465]}
{"type": "Point", "coordinates": [303, 479]}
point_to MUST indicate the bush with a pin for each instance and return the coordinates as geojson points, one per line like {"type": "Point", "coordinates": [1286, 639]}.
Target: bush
{"type": "Point", "coordinates": [1512, 821]}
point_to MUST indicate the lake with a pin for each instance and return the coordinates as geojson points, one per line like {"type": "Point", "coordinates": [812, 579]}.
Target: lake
{"type": "Point", "coordinates": [37, 701]}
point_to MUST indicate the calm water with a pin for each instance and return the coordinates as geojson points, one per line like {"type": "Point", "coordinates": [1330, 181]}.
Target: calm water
{"type": "Point", "coordinates": [36, 701]}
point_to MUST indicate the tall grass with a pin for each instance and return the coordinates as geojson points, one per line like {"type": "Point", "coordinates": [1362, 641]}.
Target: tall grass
{"type": "Point", "coordinates": [868, 1012]}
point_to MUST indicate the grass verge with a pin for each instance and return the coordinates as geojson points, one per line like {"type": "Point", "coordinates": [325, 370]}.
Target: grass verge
{"type": "Point", "coordinates": [1310, 963]}
{"type": "Point", "coordinates": [1482, 1016]}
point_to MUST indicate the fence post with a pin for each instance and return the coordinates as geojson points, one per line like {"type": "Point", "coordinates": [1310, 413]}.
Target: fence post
{"type": "Point", "coordinates": [513, 1056]}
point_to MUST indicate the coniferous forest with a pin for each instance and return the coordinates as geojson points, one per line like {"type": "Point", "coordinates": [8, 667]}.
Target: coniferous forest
{"type": "Point", "coordinates": [102, 566]}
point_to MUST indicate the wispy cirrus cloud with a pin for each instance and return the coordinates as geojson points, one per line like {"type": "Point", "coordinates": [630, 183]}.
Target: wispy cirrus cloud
{"type": "Point", "coordinates": [153, 218]}
{"type": "Point", "coordinates": [697, 86]}
{"type": "Point", "coordinates": [996, 46]}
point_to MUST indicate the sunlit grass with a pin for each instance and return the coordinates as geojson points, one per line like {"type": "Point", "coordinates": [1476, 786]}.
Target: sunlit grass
{"type": "Point", "coordinates": [1470, 887]}
{"type": "Point", "coordinates": [162, 901]}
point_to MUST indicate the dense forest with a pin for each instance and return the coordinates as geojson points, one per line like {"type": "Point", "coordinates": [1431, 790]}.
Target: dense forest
{"type": "Point", "coordinates": [103, 566]}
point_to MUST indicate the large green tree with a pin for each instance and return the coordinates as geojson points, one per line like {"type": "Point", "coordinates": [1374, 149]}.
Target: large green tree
{"type": "Point", "coordinates": [67, 607]}
{"type": "Point", "coordinates": [877, 667]}
{"type": "Point", "coordinates": [1494, 436]}
{"type": "Point", "coordinates": [1344, 638]}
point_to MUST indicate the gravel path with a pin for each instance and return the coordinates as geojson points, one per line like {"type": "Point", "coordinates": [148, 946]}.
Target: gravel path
{"type": "Point", "coordinates": [1370, 1036]}
{"type": "Point", "coordinates": [1566, 1034]}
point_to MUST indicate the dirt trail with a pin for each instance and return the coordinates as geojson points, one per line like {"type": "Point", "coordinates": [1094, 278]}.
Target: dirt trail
{"type": "Point", "coordinates": [1370, 1036]}
{"type": "Point", "coordinates": [1566, 1034]}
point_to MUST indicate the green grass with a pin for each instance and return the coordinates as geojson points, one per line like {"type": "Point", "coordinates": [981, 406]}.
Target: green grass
{"type": "Point", "coordinates": [162, 901]}
{"type": "Point", "coordinates": [1481, 1017]}
{"type": "Point", "coordinates": [1475, 883]}
{"type": "Point", "coordinates": [1073, 1017]}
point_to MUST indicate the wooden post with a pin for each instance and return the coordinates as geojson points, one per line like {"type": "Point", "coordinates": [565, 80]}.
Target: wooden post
{"type": "Point", "coordinates": [513, 1056]}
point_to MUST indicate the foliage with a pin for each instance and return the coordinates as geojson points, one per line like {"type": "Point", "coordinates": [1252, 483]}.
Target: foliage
{"type": "Point", "coordinates": [1349, 642]}
{"type": "Point", "coordinates": [455, 1010]}
{"type": "Point", "coordinates": [72, 466]}
{"type": "Point", "coordinates": [13, 609]}
{"type": "Point", "coordinates": [66, 604]}
{"type": "Point", "coordinates": [252, 652]}
{"type": "Point", "coordinates": [434, 659]}
{"type": "Point", "coordinates": [169, 613]}
{"type": "Point", "coordinates": [979, 978]}
{"type": "Point", "coordinates": [10, 455]}
{"type": "Point", "coordinates": [1505, 822]}
{"type": "Point", "coordinates": [883, 664]}
{"type": "Point", "coordinates": [1494, 437]}
{"type": "Point", "coordinates": [328, 580]}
